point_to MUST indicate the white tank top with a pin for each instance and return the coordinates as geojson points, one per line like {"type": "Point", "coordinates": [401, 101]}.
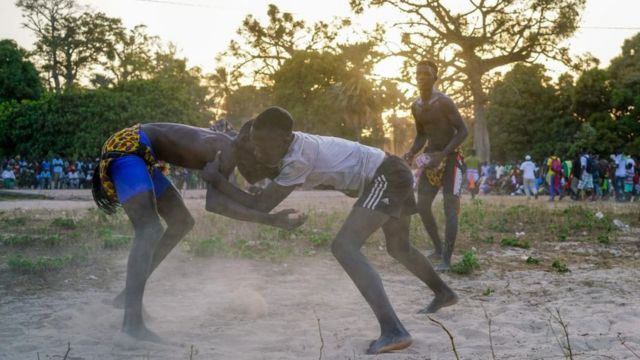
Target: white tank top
{"type": "Point", "coordinates": [314, 160]}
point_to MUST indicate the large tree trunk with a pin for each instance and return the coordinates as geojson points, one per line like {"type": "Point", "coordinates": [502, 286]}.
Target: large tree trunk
{"type": "Point", "coordinates": [480, 130]}
{"type": "Point", "coordinates": [54, 56]}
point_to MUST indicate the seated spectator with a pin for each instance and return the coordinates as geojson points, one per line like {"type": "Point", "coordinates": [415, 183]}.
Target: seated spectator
{"type": "Point", "coordinates": [72, 178]}
{"type": "Point", "coordinates": [8, 178]}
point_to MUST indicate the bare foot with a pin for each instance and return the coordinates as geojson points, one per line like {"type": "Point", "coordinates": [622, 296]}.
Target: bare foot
{"type": "Point", "coordinates": [140, 332]}
{"type": "Point", "coordinates": [442, 267]}
{"type": "Point", "coordinates": [442, 300]}
{"type": "Point", "coordinates": [387, 343]}
{"type": "Point", "coordinates": [118, 303]}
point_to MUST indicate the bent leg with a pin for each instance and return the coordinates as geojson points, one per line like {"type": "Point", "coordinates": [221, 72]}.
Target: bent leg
{"type": "Point", "coordinates": [396, 232]}
{"type": "Point", "coordinates": [360, 224]}
{"type": "Point", "coordinates": [179, 222]}
{"type": "Point", "coordinates": [426, 194]}
{"type": "Point", "coordinates": [451, 208]}
{"type": "Point", "coordinates": [141, 209]}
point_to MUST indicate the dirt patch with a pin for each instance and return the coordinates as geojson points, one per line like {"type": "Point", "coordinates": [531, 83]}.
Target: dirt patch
{"type": "Point", "coordinates": [224, 307]}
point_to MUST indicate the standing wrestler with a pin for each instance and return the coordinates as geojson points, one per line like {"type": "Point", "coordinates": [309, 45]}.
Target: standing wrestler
{"type": "Point", "coordinates": [439, 126]}
{"type": "Point", "coordinates": [384, 186]}
{"type": "Point", "coordinates": [127, 176]}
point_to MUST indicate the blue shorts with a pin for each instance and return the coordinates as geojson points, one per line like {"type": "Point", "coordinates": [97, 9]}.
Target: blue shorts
{"type": "Point", "coordinates": [130, 176]}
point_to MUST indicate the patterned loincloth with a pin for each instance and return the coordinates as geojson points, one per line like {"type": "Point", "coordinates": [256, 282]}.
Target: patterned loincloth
{"type": "Point", "coordinates": [435, 175]}
{"type": "Point", "coordinates": [124, 142]}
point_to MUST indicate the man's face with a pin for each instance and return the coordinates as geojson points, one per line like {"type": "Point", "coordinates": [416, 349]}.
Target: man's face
{"type": "Point", "coordinates": [270, 147]}
{"type": "Point", "coordinates": [425, 77]}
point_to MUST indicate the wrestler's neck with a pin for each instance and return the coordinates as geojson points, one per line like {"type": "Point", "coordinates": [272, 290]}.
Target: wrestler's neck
{"type": "Point", "coordinates": [425, 94]}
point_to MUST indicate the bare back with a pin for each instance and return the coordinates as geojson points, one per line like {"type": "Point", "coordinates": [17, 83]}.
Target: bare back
{"type": "Point", "coordinates": [187, 146]}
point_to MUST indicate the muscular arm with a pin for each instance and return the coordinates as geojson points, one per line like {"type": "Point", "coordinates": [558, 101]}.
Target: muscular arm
{"type": "Point", "coordinates": [220, 204]}
{"type": "Point", "coordinates": [421, 137]}
{"type": "Point", "coordinates": [265, 201]}
{"type": "Point", "coordinates": [455, 119]}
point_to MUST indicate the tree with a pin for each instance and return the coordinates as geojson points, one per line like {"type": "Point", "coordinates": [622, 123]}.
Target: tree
{"type": "Point", "coordinates": [329, 94]}
{"type": "Point", "coordinates": [86, 39]}
{"type": "Point", "coordinates": [246, 102]}
{"type": "Point", "coordinates": [624, 73]}
{"type": "Point", "coordinates": [221, 84]}
{"type": "Point", "coordinates": [68, 42]}
{"type": "Point", "coordinates": [520, 111]}
{"type": "Point", "coordinates": [130, 54]}
{"type": "Point", "coordinates": [47, 18]}
{"type": "Point", "coordinates": [484, 36]}
{"type": "Point", "coordinates": [19, 78]}
{"type": "Point", "coordinates": [264, 48]}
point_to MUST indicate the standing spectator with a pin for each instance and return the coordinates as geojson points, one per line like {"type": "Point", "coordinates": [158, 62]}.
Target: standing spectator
{"type": "Point", "coordinates": [628, 180]}
{"type": "Point", "coordinates": [8, 178]}
{"type": "Point", "coordinates": [57, 164]}
{"type": "Point", "coordinates": [554, 174]}
{"type": "Point", "coordinates": [72, 178]}
{"type": "Point", "coordinates": [45, 178]}
{"type": "Point", "coordinates": [620, 174]}
{"type": "Point", "coordinates": [473, 169]}
{"type": "Point", "coordinates": [586, 175]}
{"type": "Point", "coordinates": [529, 177]}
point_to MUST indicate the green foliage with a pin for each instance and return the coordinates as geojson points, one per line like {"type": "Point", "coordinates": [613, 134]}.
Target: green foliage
{"type": "Point", "coordinates": [560, 267]}
{"type": "Point", "coordinates": [76, 123]}
{"type": "Point", "coordinates": [467, 264]}
{"type": "Point", "coordinates": [214, 245]}
{"type": "Point", "coordinates": [113, 241]}
{"type": "Point", "coordinates": [523, 244]}
{"type": "Point", "coordinates": [522, 110]}
{"type": "Point", "coordinates": [19, 78]}
{"type": "Point", "coordinates": [604, 239]}
{"type": "Point", "coordinates": [41, 264]}
{"type": "Point", "coordinates": [15, 221]}
{"type": "Point", "coordinates": [488, 291]}
{"type": "Point", "coordinates": [25, 240]}
{"type": "Point", "coordinates": [64, 223]}
{"type": "Point", "coordinates": [532, 261]}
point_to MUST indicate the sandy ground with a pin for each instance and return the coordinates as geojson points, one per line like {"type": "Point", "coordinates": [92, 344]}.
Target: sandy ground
{"type": "Point", "coordinates": [307, 308]}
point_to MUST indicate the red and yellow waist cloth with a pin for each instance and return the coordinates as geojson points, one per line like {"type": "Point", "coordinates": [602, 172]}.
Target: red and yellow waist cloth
{"type": "Point", "coordinates": [435, 175]}
{"type": "Point", "coordinates": [124, 142]}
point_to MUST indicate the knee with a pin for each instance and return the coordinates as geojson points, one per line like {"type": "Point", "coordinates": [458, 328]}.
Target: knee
{"type": "Point", "coordinates": [398, 252]}
{"type": "Point", "coordinates": [188, 222]}
{"type": "Point", "coordinates": [341, 249]}
{"type": "Point", "coordinates": [182, 223]}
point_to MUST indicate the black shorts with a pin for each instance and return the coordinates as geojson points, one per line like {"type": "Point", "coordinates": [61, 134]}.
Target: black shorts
{"type": "Point", "coordinates": [452, 178]}
{"type": "Point", "coordinates": [391, 189]}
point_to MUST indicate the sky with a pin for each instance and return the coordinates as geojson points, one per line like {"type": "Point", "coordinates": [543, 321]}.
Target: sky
{"type": "Point", "coordinates": [203, 28]}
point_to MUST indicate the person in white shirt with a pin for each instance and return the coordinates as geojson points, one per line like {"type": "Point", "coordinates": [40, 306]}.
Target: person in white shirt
{"type": "Point", "coordinates": [529, 177]}
{"type": "Point", "coordinates": [8, 178]}
{"type": "Point", "coordinates": [620, 174]}
{"type": "Point", "coordinates": [384, 186]}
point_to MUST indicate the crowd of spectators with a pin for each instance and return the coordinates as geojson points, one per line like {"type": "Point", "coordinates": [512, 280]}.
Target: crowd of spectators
{"type": "Point", "coordinates": [50, 173]}
{"type": "Point", "coordinates": [584, 176]}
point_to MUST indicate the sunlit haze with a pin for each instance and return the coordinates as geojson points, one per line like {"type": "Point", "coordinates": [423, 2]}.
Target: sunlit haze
{"type": "Point", "coordinates": [203, 28]}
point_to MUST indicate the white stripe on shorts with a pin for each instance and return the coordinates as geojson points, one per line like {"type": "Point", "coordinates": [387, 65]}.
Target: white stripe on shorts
{"type": "Point", "coordinates": [376, 193]}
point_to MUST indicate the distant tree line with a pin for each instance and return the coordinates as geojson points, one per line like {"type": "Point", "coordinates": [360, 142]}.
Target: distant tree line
{"type": "Point", "coordinates": [88, 75]}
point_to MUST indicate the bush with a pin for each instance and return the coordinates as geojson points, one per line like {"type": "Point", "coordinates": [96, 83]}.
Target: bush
{"type": "Point", "coordinates": [560, 267]}
{"type": "Point", "coordinates": [524, 244]}
{"type": "Point", "coordinates": [467, 264]}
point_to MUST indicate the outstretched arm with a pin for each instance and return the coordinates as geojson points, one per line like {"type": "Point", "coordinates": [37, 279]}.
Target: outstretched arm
{"type": "Point", "coordinates": [265, 201]}
{"type": "Point", "coordinates": [219, 203]}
